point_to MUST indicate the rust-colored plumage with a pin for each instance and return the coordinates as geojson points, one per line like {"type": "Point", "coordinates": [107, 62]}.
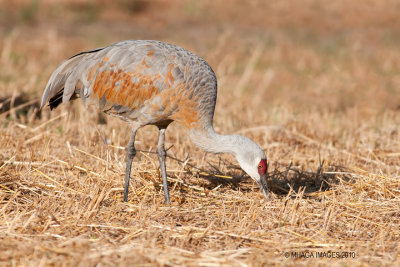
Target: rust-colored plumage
{"type": "Point", "coordinates": [151, 82]}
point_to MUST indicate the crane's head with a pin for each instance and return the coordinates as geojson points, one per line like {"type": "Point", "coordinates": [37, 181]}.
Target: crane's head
{"type": "Point", "coordinates": [253, 161]}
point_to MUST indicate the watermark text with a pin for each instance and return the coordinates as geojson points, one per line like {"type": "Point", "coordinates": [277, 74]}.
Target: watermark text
{"type": "Point", "coordinates": [308, 254]}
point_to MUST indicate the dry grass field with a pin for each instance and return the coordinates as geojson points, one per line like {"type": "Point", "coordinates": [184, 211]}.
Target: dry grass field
{"type": "Point", "coordinates": [315, 83]}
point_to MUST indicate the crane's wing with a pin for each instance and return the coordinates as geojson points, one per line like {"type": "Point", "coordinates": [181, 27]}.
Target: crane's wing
{"type": "Point", "coordinates": [125, 74]}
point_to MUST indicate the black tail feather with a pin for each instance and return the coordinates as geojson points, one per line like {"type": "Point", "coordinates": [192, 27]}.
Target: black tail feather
{"type": "Point", "coordinates": [56, 100]}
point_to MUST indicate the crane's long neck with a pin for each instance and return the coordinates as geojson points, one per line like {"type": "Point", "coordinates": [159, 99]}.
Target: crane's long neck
{"type": "Point", "coordinates": [247, 153]}
{"type": "Point", "coordinates": [210, 141]}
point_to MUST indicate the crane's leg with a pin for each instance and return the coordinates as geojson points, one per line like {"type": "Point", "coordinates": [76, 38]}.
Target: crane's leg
{"type": "Point", "coordinates": [162, 154]}
{"type": "Point", "coordinates": [130, 154]}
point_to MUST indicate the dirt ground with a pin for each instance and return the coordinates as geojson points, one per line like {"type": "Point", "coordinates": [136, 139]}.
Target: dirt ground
{"type": "Point", "coordinates": [315, 83]}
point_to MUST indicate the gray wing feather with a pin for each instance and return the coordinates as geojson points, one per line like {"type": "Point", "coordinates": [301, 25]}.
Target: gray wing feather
{"type": "Point", "coordinates": [66, 76]}
{"type": "Point", "coordinates": [61, 78]}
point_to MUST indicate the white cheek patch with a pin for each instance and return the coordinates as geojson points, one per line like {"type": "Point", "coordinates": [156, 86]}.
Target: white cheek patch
{"type": "Point", "coordinates": [250, 169]}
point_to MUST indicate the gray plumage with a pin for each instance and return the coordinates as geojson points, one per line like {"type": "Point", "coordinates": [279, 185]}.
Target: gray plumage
{"type": "Point", "coordinates": [151, 82]}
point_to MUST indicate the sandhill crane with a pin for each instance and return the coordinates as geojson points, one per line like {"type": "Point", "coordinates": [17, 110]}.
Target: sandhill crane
{"type": "Point", "coordinates": [146, 82]}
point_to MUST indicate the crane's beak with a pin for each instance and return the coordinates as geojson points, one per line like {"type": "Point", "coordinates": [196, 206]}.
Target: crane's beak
{"type": "Point", "coordinates": [264, 186]}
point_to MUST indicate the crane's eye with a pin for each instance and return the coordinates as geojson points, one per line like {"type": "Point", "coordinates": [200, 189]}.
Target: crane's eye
{"type": "Point", "coordinates": [260, 166]}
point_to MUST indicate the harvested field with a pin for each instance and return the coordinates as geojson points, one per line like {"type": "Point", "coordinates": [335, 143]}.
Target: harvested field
{"type": "Point", "coordinates": [315, 83]}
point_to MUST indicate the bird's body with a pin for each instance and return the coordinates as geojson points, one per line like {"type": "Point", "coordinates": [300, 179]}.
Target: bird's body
{"type": "Point", "coordinates": [143, 82]}
{"type": "Point", "coordinates": [151, 83]}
